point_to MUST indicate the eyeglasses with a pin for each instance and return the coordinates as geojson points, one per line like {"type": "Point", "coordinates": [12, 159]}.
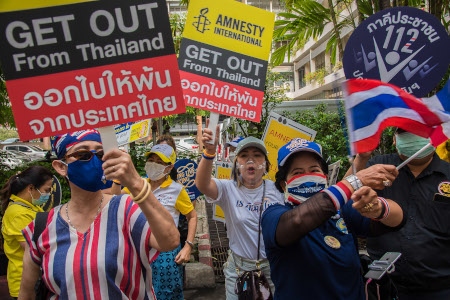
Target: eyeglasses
{"type": "Point", "coordinates": [85, 155]}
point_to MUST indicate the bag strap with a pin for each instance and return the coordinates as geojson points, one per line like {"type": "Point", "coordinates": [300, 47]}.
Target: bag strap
{"type": "Point", "coordinates": [259, 222]}
{"type": "Point", "coordinates": [39, 225]}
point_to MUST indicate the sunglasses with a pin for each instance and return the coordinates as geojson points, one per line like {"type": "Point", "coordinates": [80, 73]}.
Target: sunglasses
{"type": "Point", "coordinates": [85, 155]}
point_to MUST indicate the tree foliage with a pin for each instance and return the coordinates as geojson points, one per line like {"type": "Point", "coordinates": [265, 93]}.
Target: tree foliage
{"type": "Point", "coordinates": [274, 94]}
{"type": "Point", "coordinates": [6, 116]}
{"type": "Point", "coordinates": [331, 135]}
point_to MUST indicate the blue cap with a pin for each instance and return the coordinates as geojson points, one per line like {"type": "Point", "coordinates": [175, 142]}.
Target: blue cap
{"type": "Point", "coordinates": [234, 142]}
{"type": "Point", "coordinates": [297, 145]}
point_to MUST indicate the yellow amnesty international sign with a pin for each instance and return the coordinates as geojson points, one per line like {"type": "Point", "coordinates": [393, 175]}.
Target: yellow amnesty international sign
{"type": "Point", "coordinates": [223, 57]}
{"type": "Point", "coordinates": [223, 171]}
{"type": "Point", "coordinates": [231, 25]}
{"type": "Point", "coordinates": [278, 132]}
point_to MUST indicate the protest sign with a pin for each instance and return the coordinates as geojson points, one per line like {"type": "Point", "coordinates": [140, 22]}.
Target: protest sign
{"type": "Point", "coordinates": [222, 171]}
{"type": "Point", "coordinates": [223, 57]}
{"type": "Point", "coordinates": [130, 132]}
{"type": "Point", "coordinates": [278, 132]}
{"type": "Point", "coordinates": [87, 65]}
{"type": "Point", "coordinates": [403, 46]}
{"type": "Point", "coordinates": [186, 170]}
{"type": "Point", "coordinates": [333, 172]}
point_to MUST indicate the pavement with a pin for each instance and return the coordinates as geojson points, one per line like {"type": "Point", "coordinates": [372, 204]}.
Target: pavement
{"type": "Point", "coordinates": [217, 293]}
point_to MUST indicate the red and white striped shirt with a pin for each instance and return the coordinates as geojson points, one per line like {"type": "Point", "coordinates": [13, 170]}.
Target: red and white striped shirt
{"type": "Point", "coordinates": [111, 260]}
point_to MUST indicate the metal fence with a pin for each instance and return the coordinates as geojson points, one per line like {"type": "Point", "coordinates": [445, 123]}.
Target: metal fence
{"type": "Point", "coordinates": [219, 244]}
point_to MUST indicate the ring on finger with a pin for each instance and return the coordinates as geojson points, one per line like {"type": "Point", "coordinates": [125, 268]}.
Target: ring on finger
{"type": "Point", "coordinates": [368, 206]}
{"type": "Point", "coordinates": [386, 182]}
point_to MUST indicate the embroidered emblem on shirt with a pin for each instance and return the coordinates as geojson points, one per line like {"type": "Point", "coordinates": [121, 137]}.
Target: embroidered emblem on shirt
{"type": "Point", "coordinates": [444, 188]}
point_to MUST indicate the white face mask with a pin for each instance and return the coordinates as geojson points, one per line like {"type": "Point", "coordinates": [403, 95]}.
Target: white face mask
{"type": "Point", "coordinates": [299, 188]}
{"type": "Point", "coordinates": [154, 170]}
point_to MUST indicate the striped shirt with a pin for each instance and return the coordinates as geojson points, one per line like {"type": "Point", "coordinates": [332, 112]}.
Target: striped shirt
{"type": "Point", "coordinates": [111, 260]}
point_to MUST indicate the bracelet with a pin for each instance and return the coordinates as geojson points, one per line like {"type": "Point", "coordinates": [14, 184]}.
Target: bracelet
{"type": "Point", "coordinates": [208, 155]}
{"type": "Point", "coordinates": [149, 189]}
{"type": "Point", "coordinates": [190, 244]}
{"type": "Point", "coordinates": [339, 194]}
{"type": "Point", "coordinates": [385, 210]}
{"type": "Point", "coordinates": [143, 194]}
{"type": "Point", "coordinates": [116, 182]}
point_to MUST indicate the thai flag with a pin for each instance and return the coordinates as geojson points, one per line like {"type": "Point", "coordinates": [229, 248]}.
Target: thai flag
{"type": "Point", "coordinates": [372, 105]}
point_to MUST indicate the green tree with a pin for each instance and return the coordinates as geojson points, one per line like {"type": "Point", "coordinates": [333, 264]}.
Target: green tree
{"type": "Point", "coordinates": [6, 116]}
{"type": "Point", "coordinates": [306, 19]}
{"type": "Point", "coordinates": [331, 134]}
{"type": "Point", "coordinates": [274, 94]}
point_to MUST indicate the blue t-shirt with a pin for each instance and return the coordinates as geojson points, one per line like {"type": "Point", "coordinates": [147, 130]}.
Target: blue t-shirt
{"type": "Point", "coordinates": [309, 268]}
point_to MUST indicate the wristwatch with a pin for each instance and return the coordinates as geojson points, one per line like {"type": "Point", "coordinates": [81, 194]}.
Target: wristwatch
{"type": "Point", "coordinates": [354, 182]}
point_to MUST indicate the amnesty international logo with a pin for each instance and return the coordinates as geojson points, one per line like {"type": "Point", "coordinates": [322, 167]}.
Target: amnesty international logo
{"type": "Point", "coordinates": [202, 22]}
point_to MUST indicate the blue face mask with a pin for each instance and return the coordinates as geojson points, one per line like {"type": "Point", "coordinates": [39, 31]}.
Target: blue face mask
{"type": "Point", "coordinates": [87, 175]}
{"type": "Point", "coordinates": [41, 200]}
{"type": "Point", "coordinates": [408, 144]}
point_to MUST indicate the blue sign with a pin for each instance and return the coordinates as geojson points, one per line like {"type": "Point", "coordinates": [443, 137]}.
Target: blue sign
{"type": "Point", "coordinates": [403, 46]}
{"type": "Point", "coordinates": [186, 170]}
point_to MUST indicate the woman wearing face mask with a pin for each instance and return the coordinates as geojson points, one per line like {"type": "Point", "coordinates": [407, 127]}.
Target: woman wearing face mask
{"type": "Point", "coordinates": [243, 198]}
{"type": "Point", "coordinates": [22, 197]}
{"type": "Point", "coordinates": [168, 268]}
{"type": "Point", "coordinates": [97, 246]}
{"type": "Point", "coordinates": [310, 238]}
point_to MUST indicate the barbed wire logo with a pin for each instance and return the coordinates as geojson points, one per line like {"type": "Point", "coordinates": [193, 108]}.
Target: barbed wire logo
{"type": "Point", "coordinates": [202, 21]}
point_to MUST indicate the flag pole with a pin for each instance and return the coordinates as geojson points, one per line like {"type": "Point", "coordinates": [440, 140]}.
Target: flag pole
{"type": "Point", "coordinates": [413, 156]}
{"type": "Point", "coordinates": [345, 128]}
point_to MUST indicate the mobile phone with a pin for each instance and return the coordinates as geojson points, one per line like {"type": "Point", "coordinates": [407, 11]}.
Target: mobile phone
{"type": "Point", "coordinates": [378, 268]}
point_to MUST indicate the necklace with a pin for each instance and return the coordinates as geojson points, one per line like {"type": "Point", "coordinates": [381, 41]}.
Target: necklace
{"type": "Point", "coordinates": [96, 215]}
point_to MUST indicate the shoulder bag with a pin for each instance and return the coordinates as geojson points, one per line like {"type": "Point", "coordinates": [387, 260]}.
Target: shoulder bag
{"type": "Point", "coordinates": [253, 285]}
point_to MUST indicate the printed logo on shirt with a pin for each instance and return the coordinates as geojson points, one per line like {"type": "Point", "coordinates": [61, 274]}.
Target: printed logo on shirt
{"type": "Point", "coordinates": [444, 188]}
{"type": "Point", "coordinates": [253, 206]}
{"type": "Point", "coordinates": [166, 199]}
{"type": "Point", "coordinates": [340, 224]}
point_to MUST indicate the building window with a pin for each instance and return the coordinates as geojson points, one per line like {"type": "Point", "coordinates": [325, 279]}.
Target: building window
{"type": "Point", "coordinates": [320, 61]}
{"type": "Point", "coordinates": [301, 77]}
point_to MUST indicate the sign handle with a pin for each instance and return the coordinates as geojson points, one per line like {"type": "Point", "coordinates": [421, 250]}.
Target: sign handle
{"type": "Point", "coordinates": [213, 121]}
{"type": "Point", "coordinates": [109, 140]}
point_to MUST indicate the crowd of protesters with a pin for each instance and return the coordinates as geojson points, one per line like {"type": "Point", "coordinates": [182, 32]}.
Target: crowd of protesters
{"type": "Point", "coordinates": [298, 231]}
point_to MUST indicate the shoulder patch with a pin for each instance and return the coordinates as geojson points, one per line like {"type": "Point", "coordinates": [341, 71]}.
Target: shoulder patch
{"type": "Point", "coordinates": [444, 188]}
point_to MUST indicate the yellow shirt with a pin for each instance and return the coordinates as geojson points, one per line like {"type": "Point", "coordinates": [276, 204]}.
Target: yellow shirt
{"type": "Point", "coordinates": [173, 197]}
{"type": "Point", "coordinates": [17, 216]}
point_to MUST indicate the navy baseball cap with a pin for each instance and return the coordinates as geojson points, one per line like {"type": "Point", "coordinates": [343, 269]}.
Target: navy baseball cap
{"type": "Point", "coordinates": [234, 142]}
{"type": "Point", "coordinates": [298, 145]}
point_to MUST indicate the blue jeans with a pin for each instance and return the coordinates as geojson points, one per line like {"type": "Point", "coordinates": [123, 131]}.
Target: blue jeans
{"type": "Point", "coordinates": [229, 270]}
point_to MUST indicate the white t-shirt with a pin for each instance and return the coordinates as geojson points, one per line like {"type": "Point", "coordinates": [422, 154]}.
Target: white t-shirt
{"type": "Point", "coordinates": [241, 208]}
